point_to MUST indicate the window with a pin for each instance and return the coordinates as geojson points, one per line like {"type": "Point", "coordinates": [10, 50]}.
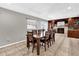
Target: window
{"type": "Point", "coordinates": [31, 24]}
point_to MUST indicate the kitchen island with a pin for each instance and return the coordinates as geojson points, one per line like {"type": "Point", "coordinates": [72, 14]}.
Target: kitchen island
{"type": "Point", "coordinates": [74, 33]}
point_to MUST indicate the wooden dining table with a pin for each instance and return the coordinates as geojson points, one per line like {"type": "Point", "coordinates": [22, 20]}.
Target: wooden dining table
{"type": "Point", "coordinates": [37, 37]}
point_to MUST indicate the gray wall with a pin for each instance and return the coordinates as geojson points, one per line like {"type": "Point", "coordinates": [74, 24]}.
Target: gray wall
{"type": "Point", "coordinates": [12, 26]}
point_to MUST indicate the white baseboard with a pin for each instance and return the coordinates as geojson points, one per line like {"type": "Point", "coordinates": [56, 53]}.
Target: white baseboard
{"type": "Point", "coordinates": [11, 44]}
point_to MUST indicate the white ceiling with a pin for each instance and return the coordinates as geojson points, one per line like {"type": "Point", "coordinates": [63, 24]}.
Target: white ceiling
{"type": "Point", "coordinates": [46, 11]}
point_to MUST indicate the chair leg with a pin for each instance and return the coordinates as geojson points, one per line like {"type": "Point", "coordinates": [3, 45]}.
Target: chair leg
{"type": "Point", "coordinates": [45, 46]}
{"type": "Point", "coordinates": [50, 42]}
{"type": "Point", "coordinates": [28, 46]}
{"type": "Point", "coordinates": [54, 38]}
{"type": "Point", "coordinates": [33, 48]}
{"type": "Point", "coordinates": [42, 44]}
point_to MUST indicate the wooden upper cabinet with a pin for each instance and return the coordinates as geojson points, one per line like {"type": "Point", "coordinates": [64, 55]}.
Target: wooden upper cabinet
{"type": "Point", "coordinates": [50, 24]}
{"type": "Point", "coordinates": [71, 22]}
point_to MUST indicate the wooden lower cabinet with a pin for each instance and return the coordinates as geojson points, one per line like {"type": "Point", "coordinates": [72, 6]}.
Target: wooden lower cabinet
{"type": "Point", "coordinates": [60, 30]}
{"type": "Point", "coordinates": [73, 33]}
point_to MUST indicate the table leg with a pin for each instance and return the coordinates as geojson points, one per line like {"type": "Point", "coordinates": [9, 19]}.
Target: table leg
{"type": "Point", "coordinates": [38, 46]}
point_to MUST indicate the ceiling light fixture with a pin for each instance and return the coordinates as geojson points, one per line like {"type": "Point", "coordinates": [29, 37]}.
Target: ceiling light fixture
{"type": "Point", "coordinates": [69, 8]}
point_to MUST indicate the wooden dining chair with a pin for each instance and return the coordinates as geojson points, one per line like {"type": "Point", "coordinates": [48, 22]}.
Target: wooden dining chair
{"type": "Point", "coordinates": [49, 33]}
{"type": "Point", "coordinates": [53, 33]}
{"type": "Point", "coordinates": [45, 40]}
{"type": "Point", "coordinates": [34, 32]}
{"type": "Point", "coordinates": [52, 36]}
{"type": "Point", "coordinates": [29, 39]}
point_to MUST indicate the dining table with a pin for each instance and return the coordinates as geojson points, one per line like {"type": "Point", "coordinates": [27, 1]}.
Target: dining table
{"type": "Point", "coordinates": [38, 37]}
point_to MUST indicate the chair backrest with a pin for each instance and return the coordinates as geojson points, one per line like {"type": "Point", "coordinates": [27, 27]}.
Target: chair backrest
{"type": "Point", "coordinates": [39, 32]}
{"type": "Point", "coordinates": [34, 32]}
{"type": "Point", "coordinates": [29, 36]}
{"type": "Point", "coordinates": [51, 35]}
{"type": "Point", "coordinates": [47, 35]}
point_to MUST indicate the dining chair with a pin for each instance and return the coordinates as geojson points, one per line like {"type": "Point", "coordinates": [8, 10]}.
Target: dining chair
{"type": "Point", "coordinates": [34, 32]}
{"type": "Point", "coordinates": [45, 40]}
{"type": "Point", "coordinates": [29, 39]}
{"type": "Point", "coordinates": [52, 35]}
{"type": "Point", "coordinates": [54, 31]}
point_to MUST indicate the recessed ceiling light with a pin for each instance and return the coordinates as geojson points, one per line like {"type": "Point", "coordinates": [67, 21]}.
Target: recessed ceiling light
{"type": "Point", "coordinates": [69, 8]}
